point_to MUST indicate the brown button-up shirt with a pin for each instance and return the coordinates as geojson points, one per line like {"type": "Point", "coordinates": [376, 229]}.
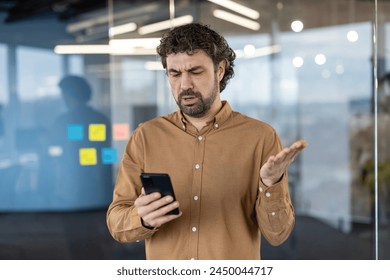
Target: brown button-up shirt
{"type": "Point", "coordinates": [215, 173]}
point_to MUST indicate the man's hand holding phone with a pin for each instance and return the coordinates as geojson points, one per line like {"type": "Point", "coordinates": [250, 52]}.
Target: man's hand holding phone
{"type": "Point", "coordinates": [157, 206]}
{"type": "Point", "coordinates": [153, 209]}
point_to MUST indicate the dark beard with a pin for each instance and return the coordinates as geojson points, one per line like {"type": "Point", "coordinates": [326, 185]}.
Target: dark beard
{"type": "Point", "coordinates": [201, 107]}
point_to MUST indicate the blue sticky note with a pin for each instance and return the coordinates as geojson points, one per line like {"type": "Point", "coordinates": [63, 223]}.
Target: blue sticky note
{"type": "Point", "coordinates": [75, 132]}
{"type": "Point", "coordinates": [109, 156]}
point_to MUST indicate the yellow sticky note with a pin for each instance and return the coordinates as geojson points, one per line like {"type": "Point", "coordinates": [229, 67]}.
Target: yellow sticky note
{"type": "Point", "coordinates": [97, 132]}
{"type": "Point", "coordinates": [88, 156]}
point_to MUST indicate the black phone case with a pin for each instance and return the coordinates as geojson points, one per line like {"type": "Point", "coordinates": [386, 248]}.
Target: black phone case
{"type": "Point", "coordinates": [159, 182]}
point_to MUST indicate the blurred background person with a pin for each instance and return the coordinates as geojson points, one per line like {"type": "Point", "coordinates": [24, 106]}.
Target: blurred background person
{"type": "Point", "coordinates": [74, 169]}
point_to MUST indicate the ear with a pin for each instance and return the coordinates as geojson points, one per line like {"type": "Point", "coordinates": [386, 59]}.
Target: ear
{"type": "Point", "coordinates": [221, 69]}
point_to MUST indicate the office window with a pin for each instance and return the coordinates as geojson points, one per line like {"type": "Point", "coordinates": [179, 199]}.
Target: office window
{"type": "Point", "coordinates": [35, 81]}
{"type": "Point", "coordinates": [38, 74]}
{"type": "Point", "coordinates": [3, 75]}
{"type": "Point", "coordinates": [76, 65]}
{"type": "Point", "coordinates": [4, 98]}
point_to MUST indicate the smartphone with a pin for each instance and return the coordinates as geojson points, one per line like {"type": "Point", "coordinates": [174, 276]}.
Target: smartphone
{"type": "Point", "coordinates": [159, 182]}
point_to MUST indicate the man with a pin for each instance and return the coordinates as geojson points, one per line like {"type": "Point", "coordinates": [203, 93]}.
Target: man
{"type": "Point", "coordinates": [228, 170]}
{"type": "Point", "coordinates": [72, 185]}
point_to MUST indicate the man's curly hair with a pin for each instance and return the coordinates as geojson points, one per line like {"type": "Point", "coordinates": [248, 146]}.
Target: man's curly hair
{"type": "Point", "coordinates": [193, 37]}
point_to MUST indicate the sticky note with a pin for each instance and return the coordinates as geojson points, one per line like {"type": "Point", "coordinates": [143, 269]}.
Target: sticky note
{"type": "Point", "coordinates": [88, 156]}
{"type": "Point", "coordinates": [109, 156]}
{"type": "Point", "coordinates": [121, 131]}
{"type": "Point", "coordinates": [75, 132]}
{"type": "Point", "coordinates": [97, 132]}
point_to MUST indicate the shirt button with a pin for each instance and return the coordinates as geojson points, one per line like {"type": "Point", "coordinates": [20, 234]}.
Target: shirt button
{"type": "Point", "coordinates": [197, 166]}
{"type": "Point", "coordinates": [192, 259]}
{"type": "Point", "coordinates": [193, 229]}
{"type": "Point", "coordinates": [261, 189]}
{"type": "Point", "coordinates": [216, 125]}
{"type": "Point", "coordinates": [268, 194]}
{"type": "Point", "coordinates": [273, 213]}
{"type": "Point", "coordinates": [200, 138]}
{"type": "Point", "coordinates": [196, 197]}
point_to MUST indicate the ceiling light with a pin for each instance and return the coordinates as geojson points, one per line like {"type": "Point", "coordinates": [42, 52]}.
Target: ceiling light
{"type": "Point", "coordinates": [249, 50]}
{"type": "Point", "coordinates": [320, 59]}
{"type": "Point", "coordinates": [166, 24]}
{"type": "Point", "coordinates": [122, 29]}
{"type": "Point", "coordinates": [146, 43]}
{"type": "Point", "coordinates": [250, 24]}
{"type": "Point", "coordinates": [238, 8]}
{"type": "Point", "coordinates": [297, 26]}
{"type": "Point", "coordinates": [257, 52]}
{"type": "Point", "coordinates": [264, 51]}
{"type": "Point", "coordinates": [352, 36]}
{"type": "Point", "coordinates": [139, 51]}
{"type": "Point", "coordinates": [142, 46]}
{"type": "Point", "coordinates": [82, 49]}
{"type": "Point", "coordinates": [298, 61]}
{"type": "Point", "coordinates": [153, 65]}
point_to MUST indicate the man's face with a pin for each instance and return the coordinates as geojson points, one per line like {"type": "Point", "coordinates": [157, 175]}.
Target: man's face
{"type": "Point", "coordinates": [194, 82]}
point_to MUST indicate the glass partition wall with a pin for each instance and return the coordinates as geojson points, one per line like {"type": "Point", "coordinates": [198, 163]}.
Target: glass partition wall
{"type": "Point", "coordinates": [307, 68]}
{"type": "Point", "coordinates": [381, 175]}
{"type": "Point", "coordinates": [318, 70]}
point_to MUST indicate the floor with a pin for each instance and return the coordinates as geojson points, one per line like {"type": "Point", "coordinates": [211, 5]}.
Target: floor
{"type": "Point", "coordinates": [84, 235]}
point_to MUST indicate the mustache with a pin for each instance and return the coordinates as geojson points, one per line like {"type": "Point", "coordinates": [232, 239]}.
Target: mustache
{"type": "Point", "coordinates": [189, 92]}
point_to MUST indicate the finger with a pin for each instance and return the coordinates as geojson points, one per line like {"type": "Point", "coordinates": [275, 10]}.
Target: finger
{"type": "Point", "coordinates": [163, 220]}
{"type": "Point", "coordinates": [271, 161]}
{"type": "Point", "coordinates": [281, 156]}
{"type": "Point", "coordinates": [292, 155]}
{"type": "Point", "coordinates": [289, 154]}
{"type": "Point", "coordinates": [161, 216]}
{"type": "Point", "coordinates": [153, 206]}
{"type": "Point", "coordinates": [300, 144]}
{"type": "Point", "coordinates": [143, 199]}
{"type": "Point", "coordinates": [162, 211]}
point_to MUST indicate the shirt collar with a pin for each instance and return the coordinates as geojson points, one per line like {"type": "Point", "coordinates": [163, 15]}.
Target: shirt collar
{"type": "Point", "coordinates": [220, 118]}
{"type": "Point", "coordinates": [223, 114]}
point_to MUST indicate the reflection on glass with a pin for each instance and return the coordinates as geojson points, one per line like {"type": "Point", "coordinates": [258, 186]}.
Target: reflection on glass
{"type": "Point", "coordinates": [3, 75]}
{"type": "Point", "coordinates": [4, 99]}
{"type": "Point", "coordinates": [77, 170]}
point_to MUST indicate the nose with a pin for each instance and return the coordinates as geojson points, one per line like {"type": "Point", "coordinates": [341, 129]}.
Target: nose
{"type": "Point", "coordinates": [186, 82]}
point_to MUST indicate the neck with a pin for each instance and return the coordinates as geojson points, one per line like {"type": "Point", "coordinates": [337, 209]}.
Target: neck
{"type": "Point", "coordinates": [201, 122]}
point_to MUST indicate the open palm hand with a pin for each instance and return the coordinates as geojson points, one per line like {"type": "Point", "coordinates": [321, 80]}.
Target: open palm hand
{"type": "Point", "coordinates": [273, 169]}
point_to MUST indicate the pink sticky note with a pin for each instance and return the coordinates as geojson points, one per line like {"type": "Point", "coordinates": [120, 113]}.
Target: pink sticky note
{"type": "Point", "coordinates": [121, 131]}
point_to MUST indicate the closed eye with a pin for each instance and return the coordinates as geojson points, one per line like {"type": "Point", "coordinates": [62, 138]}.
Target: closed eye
{"type": "Point", "coordinates": [174, 73]}
{"type": "Point", "coordinates": [196, 72]}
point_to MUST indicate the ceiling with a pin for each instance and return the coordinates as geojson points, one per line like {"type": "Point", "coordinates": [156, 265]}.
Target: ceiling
{"type": "Point", "coordinates": [87, 21]}
{"type": "Point", "coordinates": [18, 10]}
